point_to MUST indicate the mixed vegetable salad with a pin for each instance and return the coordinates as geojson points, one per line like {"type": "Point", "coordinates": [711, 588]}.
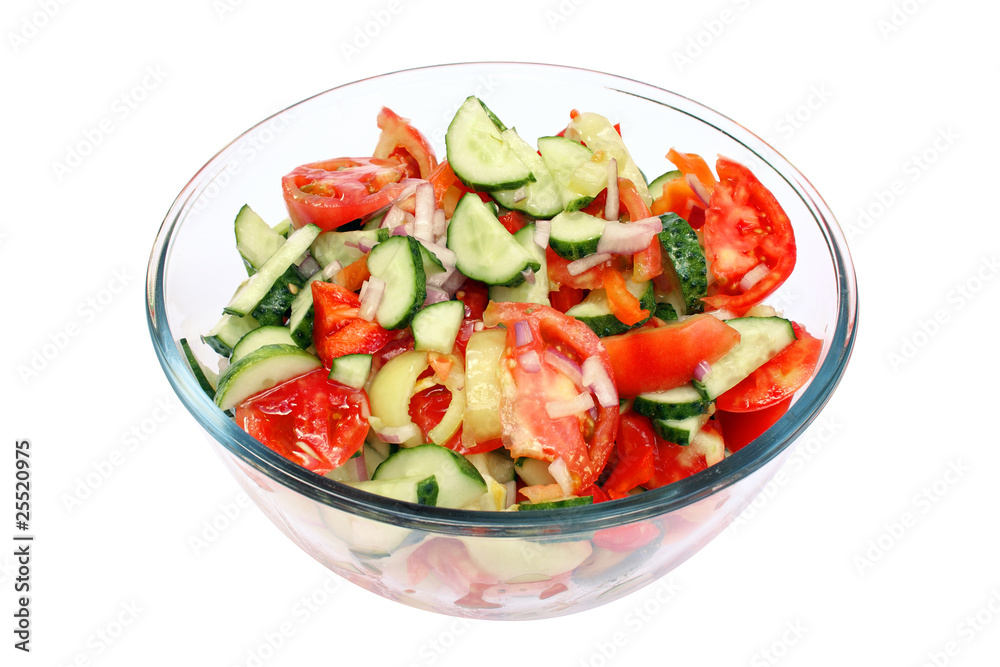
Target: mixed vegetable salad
{"type": "Point", "coordinates": [515, 327]}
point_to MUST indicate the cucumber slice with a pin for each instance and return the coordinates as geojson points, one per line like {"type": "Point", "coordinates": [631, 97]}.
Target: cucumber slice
{"type": "Point", "coordinates": [459, 483]}
{"type": "Point", "coordinates": [478, 152]}
{"type": "Point", "coordinates": [228, 332]}
{"type": "Point", "coordinates": [677, 403]}
{"type": "Point", "coordinates": [761, 339]}
{"type": "Point", "coordinates": [564, 156]}
{"type": "Point", "coordinates": [207, 379]}
{"type": "Point", "coordinates": [595, 311]}
{"type": "Point", "coordinates": [482, 386]}
{"type": "Point", "coordinates": [526, 292]}
{"type": "Point", "coordinates": [336, 246]}
{"type": "Point", "coordinates": [262, 369]}
{"type": "Point", "coordinates": [575, 234]}
{"type": "Point", "coordinates": [258, 338]}
{"type": "Point", "coordinates": [284, 228]}
{"type": "Point", "coordinates": [436, 326]}
{"type": "Point", "coordinates": [351, 369]}
{"type": "Point", "coordinates": [679, 431]}
{"type": "Point", "coordinates": [255, 240]}
{"type": "Point", "coordinates": [273, 270]}
{"type": "Point", "coordinates": [684, 261]}
{"type": "Point", "coordinates": [575, 501]}
{"type": "Point", "coordinates": [541, 198]}
{"type": "Point", "coordinates": [415, 489]}
{"type": "Point", "coordinates": [497, 464]}
{"type": "Point", "coordinates": [533, 472]}
{"type": "Point", "coordinates": [484, 250]}
{"type": "Point", "coordinates": [656, 186]}
{"type": "Point", "coordinates": [277, 303]}
{"type": "Point", "coordinates": [300, 319]}
{"type": "Point", "coordinates": [398, 262]}
{"type": "Point", "coordinates": [600, 136]}
{"type": "Point", "coordinates": [665, 312]}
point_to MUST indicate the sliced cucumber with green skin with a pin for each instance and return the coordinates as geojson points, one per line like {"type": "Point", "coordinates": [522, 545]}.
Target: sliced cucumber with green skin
{"type": "Point", "coordinates": [284, 228]}
{"type": "Point", "coordinates": [398, 262]}
{"type": "Point", "coordinates": [207, 379]}
{"type": "Point", "coordinates": [563, 157]}
{"type": "Point", "coordinates": [459, 483]}
{"type": "Point", "coordinates": [479, 154]}
{"type": "Point", "coordinates": [684, 261]}
{"type": "Point", "coordinates": [575, 501]}
{"type": "Point", "coordinates": [273, 270]}
{"type": "Point", "coordinates": [277, 303]}
{"type": "Point", "coordinates": [228, 332]}
{"type": "Point", "coordinates": [302, 314]}
{"type": "Point", "coordinates": [497, 464]}
{"type": "Point", "coordinates": [415, 489]}
{"type": "Point", "coordinates": [665, 312]}
{"type": "Point", "coordinates": [484, 250]}
{"type": "Point", "coordinates": [677, 403]}
{"type": "Point", "coordinates": [541, 198]}
{"type": "Point", "coordinates": [262, 369]}
{"type": "Point", "coordinates": [527, 292]}
{"type": "Point", "coordinates": [761, 339]}
{"type": "Point", "coordinates": [337, 246]}
{"type": "Point", "coordinates": [533, 472]}
{"type": "Point", "coordinates": [656, 186]}
{"type": "Point", "coordinates": [679, 431]}
{"type": "Point", "coordinates": [258, 338]}
{"type": "Point", "coordinates": [435, 327]}
{"type": "Point", "coordinates": [255, 240]}
{"type": "Point", "coordinates": [351, 369]}
{"type": "Point", "coordinates": [575, 234]}
{"type": "Point", "coordinates": [432, 265]}
{"type": "Point", "coordinates": [595, 312]}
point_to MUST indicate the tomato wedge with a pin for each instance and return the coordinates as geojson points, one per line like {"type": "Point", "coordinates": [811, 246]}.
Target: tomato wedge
{"type": "Point", "coordinates": [745, 226]}
{"type": "Point", "coordinates": [582, 442]}
{"type": "Point", "coordinates": [778, 379]}
{"type": "Point", "coordinates": [400, 140]}
{"type": "Point", "coordinates": [664, 357]}
{"type": "Point", "coordinates": [636, 444]}
{"type": "Point", "coordinates": [334, 192]}
{"type": "Point", "coordinates": [741, 428]}
{"type": "Point", "coordinates": [337, 329]}
{"type": "Point", "coordinates": [310, 420]}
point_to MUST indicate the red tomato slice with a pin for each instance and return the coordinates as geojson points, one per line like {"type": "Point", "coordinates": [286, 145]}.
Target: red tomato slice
{"type": "Point", "coordinates": [741, 428]}
{"type": "Point", "coordinates": [778, 379]}
{"type": "Point", "coordinates": [565, 298]}
{"type": "Point", "coordinates": [661, 358]}
{"type": "Point", "coordinates": [672, 463]}
{"type": "Point", "coordinates": [745, 226]}
{"type": "Point", "coordinates": [399, 139]}
{"type": "Point", "coordinates": [312, 410]}
{"type": "Point", "coordinates": [582, 442]}
{"type": "Point", "coordinates": [337, 329]}
{"type": "Point", "coordinates": [334, 192]}
{"type": "Point", "coordinates": [636, 444]}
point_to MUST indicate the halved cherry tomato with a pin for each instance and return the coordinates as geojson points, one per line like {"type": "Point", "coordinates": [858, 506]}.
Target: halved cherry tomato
{"type": "Point", "coordinates": [560, 276]}
{"type": "Point", "coordinates": [745, 226]}
{"type": "Point", "coordinates": [337, 329]}
{"type": "Point", "coordinates": [661, 358]}
{"type": "Point", "coordinates": [310, 410]}
{"type": "Point", "coordinates": [741, 428]}
{"type": "Point", "coordinates": [580, 441]}
{"type": "Point", "coordinates": [399, 139]}
{"type": "Point", "coordinates": [778, 379]}
{"type": "Point", "coordinates": [334, 192]}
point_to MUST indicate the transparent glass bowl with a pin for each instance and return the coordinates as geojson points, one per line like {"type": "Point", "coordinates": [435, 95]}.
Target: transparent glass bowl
{"type": "Point", "coordinates": [492, 565]}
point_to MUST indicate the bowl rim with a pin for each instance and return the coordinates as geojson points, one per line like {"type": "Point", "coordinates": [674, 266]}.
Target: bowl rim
{"type": "Point", "coordinates": [698, 487]}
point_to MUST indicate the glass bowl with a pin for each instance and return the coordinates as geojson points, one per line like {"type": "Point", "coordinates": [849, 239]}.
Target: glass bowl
{"type": "Point", "coordinates": [494, 565]}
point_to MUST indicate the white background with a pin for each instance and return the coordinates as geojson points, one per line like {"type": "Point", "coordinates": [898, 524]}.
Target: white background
{"type": "Point", "coordinates": [869, 552]}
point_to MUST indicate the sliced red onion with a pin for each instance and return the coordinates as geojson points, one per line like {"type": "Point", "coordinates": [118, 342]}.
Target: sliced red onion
{"type": "Point", "coordinates": [308, 266]}
{"type": "Point", "coordinates": [522, 333]}
{"type": "Point", "coordinates": [529, 276]}
{"type": "Point", "coordinates": [352, 244]}
{"type": "Point", "coordinates": [702, 370]}
{"type": "Point", "coordinates": [564, 365]}
{"type": "Point", "coordinates": [399, 230]}
{"type": "Point", "coordinates": [577, 267]}
{"type": "Point", "coordinates": [529, 361]}
{"type": "Point", "coordinates": [478, 325]}
{"type": "Point", "coordinates": [574, 406]}
{"type": "Point", "coordinates": [361, 467]}
{"type": "Point", "coordinates": [722, 314]}
{"type": "Point", "coordinates": [596, 377]}
{"type": "Point", "coordinates": [395, 435]}
{"type": "Point", "coordinates": [699, 189]}
{"type": "Point", "coordinates": [560, 472]}
{"type": "Point", "coordinates": [371, 295]}
{"type": "Point", "coordinates": [445, 254]}
{"type": "Point", "coordinates": [393, 218]}
{"type": "Point", "coordinates": [440, 224]}
{"type": "Point", "coordinates": [436, 295]}
{"type": "Point", "coordinates": [594, 414]}
{"type": "Point", "coordinates": [628, 238]}
{"type": "Point", "coordinates": [366, 244]}
{"type": "Point", "coordinates": [332, 269]}
{"type": "Point", "coordinates": [611, 204]}
{"type": "Point", "coordinates": [754, 276]}
{"type": "Point", "coordinates": [423, 212]}
{"type": "Point", "coordinates": [542, 230]}
{"type": "Point", "coordinates": [520, 194]}
{"type": "Point", "coordinates": [449, 280]}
